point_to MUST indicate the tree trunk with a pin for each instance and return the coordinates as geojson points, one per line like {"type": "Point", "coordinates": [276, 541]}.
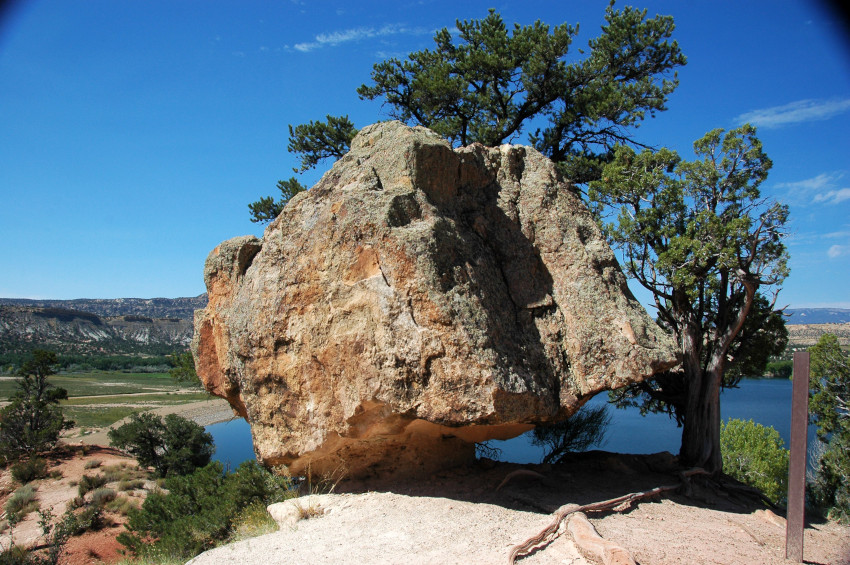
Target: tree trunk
{"type": "Point", "coordinates": [701, 433]}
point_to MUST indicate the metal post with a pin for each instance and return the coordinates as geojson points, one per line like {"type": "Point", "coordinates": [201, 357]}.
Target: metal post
{"type": "Point", "coordinates": [797, 459]}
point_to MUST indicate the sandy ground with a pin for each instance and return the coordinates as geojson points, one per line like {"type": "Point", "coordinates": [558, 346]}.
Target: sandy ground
{"type": "Point", "coordinates": [461, 517]}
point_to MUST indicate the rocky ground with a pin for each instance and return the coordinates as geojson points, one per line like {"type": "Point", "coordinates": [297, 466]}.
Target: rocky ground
{"type": "Point", "coordinates": [464, 517]}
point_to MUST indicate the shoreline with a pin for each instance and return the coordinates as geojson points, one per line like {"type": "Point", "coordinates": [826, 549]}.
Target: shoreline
{"type": "Point", "coordinates": [204, 413]}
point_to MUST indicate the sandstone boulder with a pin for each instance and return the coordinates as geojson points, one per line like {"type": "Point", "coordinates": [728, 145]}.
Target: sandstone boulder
{"type": "Point", "coordinates": [416, 300]}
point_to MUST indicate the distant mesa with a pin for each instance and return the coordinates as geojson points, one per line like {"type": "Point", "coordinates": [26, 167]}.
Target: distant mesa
{"type": "Point", "coordinates": [817, 316]}
{"type": "Point", "coordinates": [419, 299]}
{"type": "Point", "coordinates": [118, 326]}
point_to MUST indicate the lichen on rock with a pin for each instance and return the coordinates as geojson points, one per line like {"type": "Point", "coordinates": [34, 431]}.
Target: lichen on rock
{"type": "Point", "coordinates": [419, 299]}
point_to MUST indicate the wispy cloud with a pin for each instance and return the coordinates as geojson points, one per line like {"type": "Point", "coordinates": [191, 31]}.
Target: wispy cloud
{"type": "Point", "coordinates": [335, 38]}
{"type": "Point", "coordinates": [795, 112]}
{"type": "Point", "coordinates": [838, 251]}
{"type": "Point", "coordinates": [833, 196]}
{"type": "Point", "coordinates": [822, 189]}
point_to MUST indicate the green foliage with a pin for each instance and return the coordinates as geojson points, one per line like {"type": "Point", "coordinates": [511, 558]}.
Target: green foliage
{"type": "Point", "coordinates": [100, 497]}
{"type": "Point", "coordinates": [183, 368]}
{"type": "Point", "coordinates": [780, 369]}
{"type": "Point", "coordinates": [493, 82]}
{"type": "Point", "coordinates": [700, 237]}
{"type": "Point", "coordinates": [198, 511]}
{"type": "Point", "coordinates": [29, 470]}
{"type": "Point", "coordinates": [22, 502]}
{"type": "Point", "coordinates": [175, 446]}
{"type": "Point", "coordinates": [755, 455]}
{"type": "Point", "coordinates": [90, 482]}
{"type": "Point", "coordinates": [32, 421]}
{"type": "Point", "coordinates": [316, 141]}
{"type": "Point", "coordinates": [490, 84]}
{"type": "Point", "coordinates": [584, 428]}
{"type": "Point", "coordinates": [267, 208]}
{"type": "Point", "coordinates": [829, 409]}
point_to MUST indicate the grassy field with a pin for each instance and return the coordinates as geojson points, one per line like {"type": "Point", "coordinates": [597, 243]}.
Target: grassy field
{"type": "Point", "coordinates": [96, 383]}
{"type": "Point", "coordinates": [98, 399]}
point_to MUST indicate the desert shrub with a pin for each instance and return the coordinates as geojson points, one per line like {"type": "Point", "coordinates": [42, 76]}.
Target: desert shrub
{"type": "Point", "coordinates": [174, 446]}
{"type": "Point", "coordinates": [253, 521]}
{"type": "Point", "coordinates": [21, 503]}
{"type": "Point", "coordinates": [198, 511]}
{"type": "Point", "coordinates": [15, 555]}
{"type": "Point", "coordinates": [92, 464]}
{"type": "Point", "coordinates": [89, 519]}
{"type": "Point", "coordinates": [122, 505]}
{"type": "Point", "coordinates": [123, 472]}
{"type": "Point", "coordinates": [130, 484]}
{"type": "Point", "coordinates": [90, 482]}
{"type": "Point", "coordinates": [29, 470]}
{"type": "Point", "coordinates": [583, 429]}
{"type": "Point", "coordinates": [101, 496]}
{"type": "Point", "coordinates": [756, 456]}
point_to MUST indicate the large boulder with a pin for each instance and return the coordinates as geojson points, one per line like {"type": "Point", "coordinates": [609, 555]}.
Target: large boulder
{"type": "Point", "coordinates": [419, 299]}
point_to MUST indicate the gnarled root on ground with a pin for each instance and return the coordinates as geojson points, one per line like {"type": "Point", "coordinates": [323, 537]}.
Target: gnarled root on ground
{"type": "Point", "coordinates": [616, 504]}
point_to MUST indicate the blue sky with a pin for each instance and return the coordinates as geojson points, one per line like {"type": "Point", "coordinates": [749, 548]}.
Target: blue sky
{"type": "Point", "coordinates": [133, 133]}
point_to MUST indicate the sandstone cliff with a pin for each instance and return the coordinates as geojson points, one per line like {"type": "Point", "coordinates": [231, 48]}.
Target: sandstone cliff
{"type": "Point", "coordinates": [415, 300]}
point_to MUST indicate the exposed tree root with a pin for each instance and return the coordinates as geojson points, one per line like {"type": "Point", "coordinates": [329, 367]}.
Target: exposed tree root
{"type": "Point", "coordinates": [616, 504]}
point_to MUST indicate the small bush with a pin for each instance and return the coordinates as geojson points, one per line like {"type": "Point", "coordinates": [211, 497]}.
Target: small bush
{"type": "Point", "coordinates": [90, 519]}
{"type": "Point", "coordinates": [121, 505]}
{"type": "Point", "coordinates": [253, 521]}
{"type": "Point", "coordinates": [131, 484]}
{"type": "Point", "coordinates": [756, 456]}
{"type": "Point", "coordinates": [92, 464]}
{"type": "Point", "coordinates": [122, 472]}
{"type": "Point", "coordinates": [90, 482]}
{"type": "Point", "coordinates": [29, 470]}
{"type": "Point", "coordinates": [199, 510]}
{"type": "Point", "coordinates": [21, 503]}
{"type": "Point", "coordinates": [101, 496]}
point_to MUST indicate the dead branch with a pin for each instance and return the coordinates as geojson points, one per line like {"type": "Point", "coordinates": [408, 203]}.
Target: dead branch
{"type": "Point", "coordinates": [616, 504]}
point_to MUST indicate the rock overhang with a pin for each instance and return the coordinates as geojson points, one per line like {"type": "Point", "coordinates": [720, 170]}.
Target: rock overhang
{"type": "Point", "coordinates": [417, 299]}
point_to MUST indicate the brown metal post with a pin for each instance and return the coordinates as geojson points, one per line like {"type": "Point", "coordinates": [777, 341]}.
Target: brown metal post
{"type": "Point", "coordinates": [797, 459]}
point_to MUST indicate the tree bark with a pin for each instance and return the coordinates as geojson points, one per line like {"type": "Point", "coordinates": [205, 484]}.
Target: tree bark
{"type": "Point", "coordinates": [701, 432]}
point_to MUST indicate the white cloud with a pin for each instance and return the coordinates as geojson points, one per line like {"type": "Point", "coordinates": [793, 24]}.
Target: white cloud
{"type": "Point", "coordinates": [833, 196]}
{"type": "Point", "coordinates": [816, 183]}
{"type": "Point", "coordinates": [332, 39]}
{"type": "Point", "coordinates": [822, 189]}
{"type": "Point", "coordinates": [838, 250]}
{"type": "Point", "coordinates": [795, 112]}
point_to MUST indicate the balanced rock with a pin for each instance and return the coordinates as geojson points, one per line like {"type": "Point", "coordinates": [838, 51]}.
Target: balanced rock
{"type": "Point", "coordinates": [419, 299]}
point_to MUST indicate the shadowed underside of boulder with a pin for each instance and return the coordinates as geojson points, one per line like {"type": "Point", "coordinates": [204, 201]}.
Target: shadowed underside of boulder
{"type": "Point", "coordinates": [419, 299]}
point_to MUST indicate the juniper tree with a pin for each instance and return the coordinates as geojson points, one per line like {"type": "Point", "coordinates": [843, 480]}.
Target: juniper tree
{"type": "Point", "coordinates": [701, 238]}
{"type": "Point", "coordinates": [492, 84]}
{"type": "Point", "coordinates": [32, 421]}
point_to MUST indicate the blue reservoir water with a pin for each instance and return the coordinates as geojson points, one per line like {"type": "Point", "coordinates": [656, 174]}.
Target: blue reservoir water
{"type": "Point", "coordinates": [765, 401]}
{"type": "Point", "coordinates": [233, 443]}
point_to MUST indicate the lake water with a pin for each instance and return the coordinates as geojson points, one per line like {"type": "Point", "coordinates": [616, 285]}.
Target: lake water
{"type": "Point", "coordinates": [765, 401]}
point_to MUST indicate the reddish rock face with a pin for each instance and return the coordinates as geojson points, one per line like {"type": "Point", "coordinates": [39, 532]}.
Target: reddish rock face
{"type": "Point", "coordinates": [416, 300]}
